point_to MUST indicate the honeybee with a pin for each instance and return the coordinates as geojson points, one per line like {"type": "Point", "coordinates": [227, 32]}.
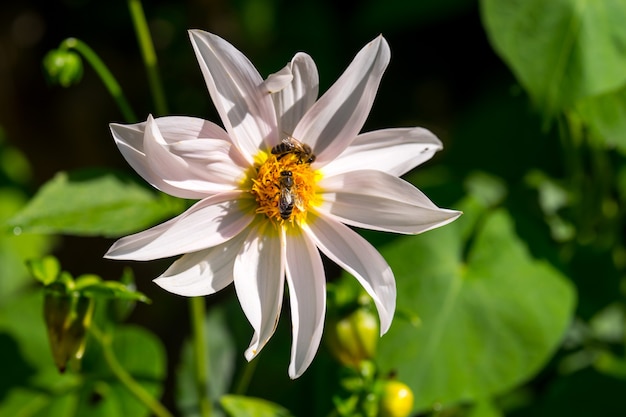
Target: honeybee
{"type": "Point", "coordinates": [293, 145]}
{"type": "Point", "coordinates": [288, 197]}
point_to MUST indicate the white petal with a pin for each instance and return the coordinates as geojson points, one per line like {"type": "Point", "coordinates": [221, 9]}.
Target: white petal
{"type": "Point", "coordinates": [259, 282]}
{"type": "Point", "coordinates": [207, 223]}
{"type": "Point", "coordinates": [173, 131]}
{"type": "Point", "coordinates": [379, 201]}
{"type": "Point", "coordinates": [293, 100]}
{"type": "Point", "coordinates": [337, 117]}
{"type": "Point", "coordinates": [204, 272]}
{"type": "Point", "coordinates": [354, 254]}
{"type": "Point", "coordinates": [307, 296]}
{"type": "Point", "coordinates": [279, 80]}
{"type": "Point", "coordinates": [394, 151]}
{"type": "Point", "coordinates": [238, 92]}
{"type": "Point", "coordinates": [210, 175]}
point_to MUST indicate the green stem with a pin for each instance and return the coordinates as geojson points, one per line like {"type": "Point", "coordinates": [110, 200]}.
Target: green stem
{"type": "Point", "coordinates": [201, 353]}
{"type": "Point", "coordinates": [124, 377]}
{"type": "Point", "coordinates": [148, 54]}
{"type": "Point", "coordinates": [245, 378]}
{"type": "Point", "coordinates": [105, 75]}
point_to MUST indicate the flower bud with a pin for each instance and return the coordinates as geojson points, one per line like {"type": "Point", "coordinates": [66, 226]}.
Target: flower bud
{"type": "Point", "coordinates": [353, 338]}
{"type": "Point", "coordinates": [67, 317]}
{"type": "Point", "coordinates": [396, 399]}
{"type": "Point", "coordinates": [63, 67]}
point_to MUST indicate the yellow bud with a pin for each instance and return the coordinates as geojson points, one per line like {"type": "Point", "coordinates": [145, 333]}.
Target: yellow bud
{"type": "Point", "coordinates": [396, 399]}
{"type": "Point", "coordinates": [353, 338]}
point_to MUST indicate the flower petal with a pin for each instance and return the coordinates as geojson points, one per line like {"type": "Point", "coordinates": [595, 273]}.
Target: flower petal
{"type": "Point", "coordinates": [394, 151]}
{"type": "Point", "coordinates": [354, 254]}
{"type": "Point", "coordinates": [236, 87]}
{"type": "Point", "coordinates": [296, 97]}
{"type": "Point", "coordinates": [174, 129]}
{"type": "Point", "coordinates": [379, 201]}
{"type": "Point", "coordinates": [207, 223]}
{"type": "Point", "coordinates": [259, 282]}
{"type": "Point", "coordinates": [307, 296]}
{"type": "Point", "coordinates": [337, 117]}
{"type": "Point", "coordinates": [279, 80]}
{"type": "Point", "coordinates": [202, 273]}
{"type": "Point", "coordinates": [202, 165]}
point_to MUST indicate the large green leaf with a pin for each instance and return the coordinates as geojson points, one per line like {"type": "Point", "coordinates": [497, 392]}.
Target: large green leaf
{"type": "Point", "coordinates": [16, 248]}
{"type": "Point", "coordinates": [94, 203]}
{"type": "Point", "coordinates": [605, 114]}
{"type": "Point", "coordinates": [488, 320]}
{"type": "Point", "coordinates": [560, 50]}
{"type": "Point", "coordinates": [32, 387]}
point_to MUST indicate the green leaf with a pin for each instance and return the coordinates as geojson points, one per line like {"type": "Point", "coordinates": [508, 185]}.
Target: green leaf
{"type": "Point", "coordinates": [142, 355]}
{"type": "Point", "coordinates": [240, 406]}
{"type": "Point", "coordinates": [560, 50]}
{"type": "Point", "coordinates": [605, 114]}
{"type": "Point", "coordinates": [46, 269]}
{"type": "Point", "coordinates": [489, 320]}
{"type": "Point", "coordinates": [487, 189]}
{"type": "Point", "coordinates": [112, 289]}
{"type": "Point", "coordinates": [581, 394]}
{"type": "Point", "coordinates": [485, 408]}
{"type": "Point", "coordinates": [94, 203]}
{"type": "Point", "coordinates": [16, 248]}
{"type": "Point", "coordinates": [34, 388]}
{"type": "Point", "coordinates": [120, 308]}
{"type": "Point", "coordinates": [610, 364]}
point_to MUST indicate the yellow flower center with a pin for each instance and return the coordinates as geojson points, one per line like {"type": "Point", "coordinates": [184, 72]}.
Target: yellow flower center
{"type": "Point", "coordinates": [284, 187]}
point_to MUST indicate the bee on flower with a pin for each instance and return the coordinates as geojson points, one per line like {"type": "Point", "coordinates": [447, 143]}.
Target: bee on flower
{"type": "Point", "coordinates": [279, 183]}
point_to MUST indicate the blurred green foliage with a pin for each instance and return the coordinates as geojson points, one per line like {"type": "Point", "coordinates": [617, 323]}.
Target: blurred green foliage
{"type": "Point", "coordinates": [515, 309]}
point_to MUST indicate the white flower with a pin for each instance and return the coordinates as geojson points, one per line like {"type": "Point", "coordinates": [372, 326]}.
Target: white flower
{"type": "Point", "coordinates": [262, 216]}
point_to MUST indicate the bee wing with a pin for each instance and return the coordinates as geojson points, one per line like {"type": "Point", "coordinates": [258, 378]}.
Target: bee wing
{"type": "Point", "coordinates": [298, 202]}
{"type": "Point", "coordinates": [286, 197]}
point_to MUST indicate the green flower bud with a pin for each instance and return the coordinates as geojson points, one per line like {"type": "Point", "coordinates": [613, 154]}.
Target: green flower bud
{"type": "Point", "coordinates": [63, 67]}
{"type": "Point", "coordinates": [396, 399]}
{"type": "Point", "coordinates": [353, 338]}
{"type": "Point", "coordinates": [68, 317]}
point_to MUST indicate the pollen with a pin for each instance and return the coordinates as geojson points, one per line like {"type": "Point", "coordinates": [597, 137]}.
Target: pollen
{"type": "Point", "coordinates": [284, 187]}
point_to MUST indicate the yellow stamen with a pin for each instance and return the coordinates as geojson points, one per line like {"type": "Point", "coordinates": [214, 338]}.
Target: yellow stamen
{"type": "Point", "coordinates": [269, 180]}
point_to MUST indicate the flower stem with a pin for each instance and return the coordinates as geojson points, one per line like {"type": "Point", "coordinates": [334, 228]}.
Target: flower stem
{"type": "Point", "coordinates": [124, 377]}
{"type": "Point", "coordinates": [105, 75]}
{"type": "Point", "coordinates": [149, 56]}
{"type": "Point", "coordinates": [201, 354]}
{"type": "Point", "coordinates": [244, 380]}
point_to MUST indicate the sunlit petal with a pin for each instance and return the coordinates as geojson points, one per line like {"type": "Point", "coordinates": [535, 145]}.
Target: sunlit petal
{"type": "Point", "coordinates": [278, 80]}
{"type": "Point", "coordinates": [354, 254]}
{"type": "Point", "coordinates": [259, 282]}
{"type": "Point", "coordinates": [333, 122]}
{"type": "Point", "coordinates": [379, 201]}
{"type": "Point", "coordinates": [265, 212]}
{"type": "Point", "coordinates": [296, 97]}
{"type": "Point", "coordinates": [237, 90]}
{"type": "Point", "coordinates": [207, 223]}
{"type": "Point", "coordinates": [394, 151]}
{"type": "Point", "coordinates": [215, 173]}
{"type": "Point", "coordinates": [187, 177]}
{"type": "Point", "coordinates": [202, 273]}
{"type": "Point", "coordinates": [307, 296]}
